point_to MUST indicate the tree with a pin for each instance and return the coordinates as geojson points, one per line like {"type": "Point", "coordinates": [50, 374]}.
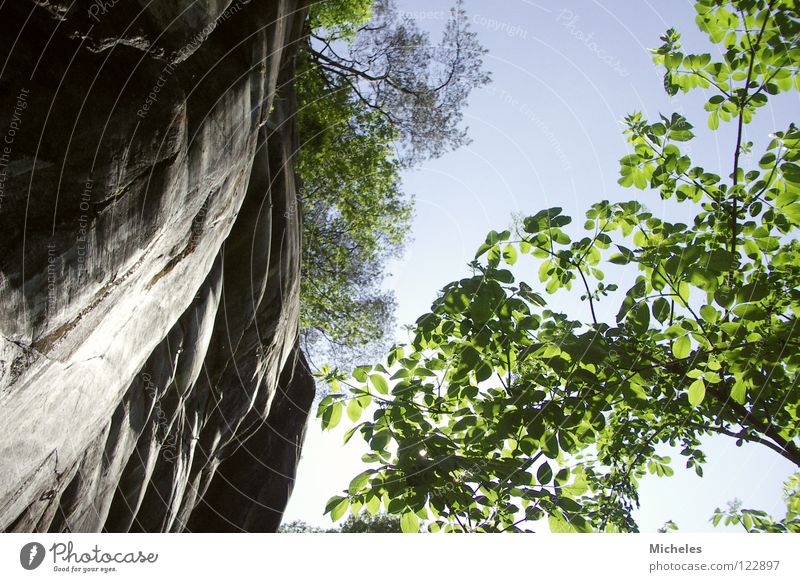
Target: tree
{"type": "Point", "coordinates": [361, 523]}
{"type": "Point", "coordinates": [299, 526]}
{"type": "Point", "coordinates": [355, 217]}
{"type": "Point", "coordinates": [503, 411]}
{"type": "Point", "coordinates": [753, 520]}
{"type": "Point", "coordinates": [391, 67]}
{"type": "Point", "coordinates": [366, 523]}
{"type": "Point", "coordinates": [366, 109]}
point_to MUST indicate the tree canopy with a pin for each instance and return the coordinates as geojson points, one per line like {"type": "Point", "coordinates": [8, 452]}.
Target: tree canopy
{"type": "Point", "coordinates": [375, 95]}
{"type": "Point", "coordinates": [361, 523]}
{"type": "Point", "coordinates": [503, 411]}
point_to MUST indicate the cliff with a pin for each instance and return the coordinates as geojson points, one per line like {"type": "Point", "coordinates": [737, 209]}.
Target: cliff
{"type": "Point", "coordinates": [150, 376]}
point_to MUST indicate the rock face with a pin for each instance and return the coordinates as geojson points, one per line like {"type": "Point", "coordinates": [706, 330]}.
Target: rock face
{"type": "Point", "coordinates": [150, 375]}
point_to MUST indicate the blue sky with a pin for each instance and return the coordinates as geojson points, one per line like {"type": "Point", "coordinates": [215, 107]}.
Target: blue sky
{"type": "Point", "coordinates": [547, 132]}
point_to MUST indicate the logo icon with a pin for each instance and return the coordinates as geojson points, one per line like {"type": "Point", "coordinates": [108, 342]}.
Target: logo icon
{"type": "Point", "coordinates": [31, 555]}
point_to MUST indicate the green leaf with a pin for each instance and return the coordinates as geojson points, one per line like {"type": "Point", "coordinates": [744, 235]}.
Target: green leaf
{"type": "Point", "coordinates": [680, 128]}
{"type": "Point", "coordinates": [751, 249]}
{"type": "Point", "coordinates": [360, 374]}
{"type": "Point", "coordinates": [767, 161]}
{"type": "Point", "coordinates": [409, 523]}
{"type": "Point", "coordinates": [470, 357]}
{"type": "Point", "coordinates": [456, 301]}
{"type": "Point", "coordinates": [558, 524]}
{"type": "Point", "coordinates": [331, 416]}
{"type": "Point", "coordinates": [359, 481]}
{"type": "Point", "coordinates": [493, 258]}
{"type": "Point", "coordinates": [333, 502]}
{"type": "Point", "coordinates": [681, 347]}
{"type": "Point", "coordinates": [673, 60]}
{"type": "Point", "coordinates": [640, 318]}
{"type": "Point", "coordinates": [544, 270]}
{"type": "Point", "coordinates": [502, 275]}
{"type": "Point", "coordinates": [380, 440]}
{"type": "Point", "coordinates": [545, 474]}
{"type": "Point", "coordinates": [545, 219]}
{"type": "Point", "coordinates": [337, 506]}
{"type": "Point", "coordinates": [720, 260]}
{"type": "Point", "coordinates": [483, 372]}
{"type": "Point", "coordinates": [713, 120]}
{"type": "Point", "coordinates": [550, 446]}
{"type": "Point", "coordinates": [380, 384]}
{"type": "Point", "coordinates": [394, 354]}
{"type": "Point", "coordinates": [709, 314]}
{"type": "Point", "coordinates": [510, 254]}
{"type": "Point", "coordinates": [349, 434]}
{"type": "Point", "coordinates": [373, 505]}
{"type": "Point", "coordinates": [703, 279]}
{"type": "Point", "coordinates": [354, 410]}
{"type": "Point", "coordinates": [792, 212]}
{"type": "Point", "coordinates": [739, 391]}
{"type": "Point", "coordinates": [482, 249]}
{"type": "Point", "coordinates": [619, 259]}
{"type": "Point", "coordinates": [697, 392]}
{"type": "Point", "coordinates": [724, 297]}
{"type": "Point", "coordinates": [750, 312]}
{"type": "Point", "coordinates": [661, 309]}
{"type": "Point", "coordinates": [483, 304]}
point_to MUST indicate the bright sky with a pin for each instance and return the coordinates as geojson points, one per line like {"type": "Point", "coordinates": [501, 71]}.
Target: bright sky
{"type": "Point", "coordinates": [547, 132]}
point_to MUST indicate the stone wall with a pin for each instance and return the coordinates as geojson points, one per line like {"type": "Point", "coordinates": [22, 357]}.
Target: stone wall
{"type": "Point", "coordinates": [149, 265]}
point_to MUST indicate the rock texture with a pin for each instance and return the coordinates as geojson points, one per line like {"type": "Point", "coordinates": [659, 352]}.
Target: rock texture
{"type": "Point", "coordinates": [150, 376]}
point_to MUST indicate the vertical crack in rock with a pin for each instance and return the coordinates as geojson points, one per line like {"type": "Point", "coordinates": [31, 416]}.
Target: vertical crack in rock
{"type": "Point", "coordinates": [150, 372]}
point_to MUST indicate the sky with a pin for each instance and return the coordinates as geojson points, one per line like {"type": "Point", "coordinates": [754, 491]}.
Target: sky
{"type": "Point", "coordinates": [547, 132]}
